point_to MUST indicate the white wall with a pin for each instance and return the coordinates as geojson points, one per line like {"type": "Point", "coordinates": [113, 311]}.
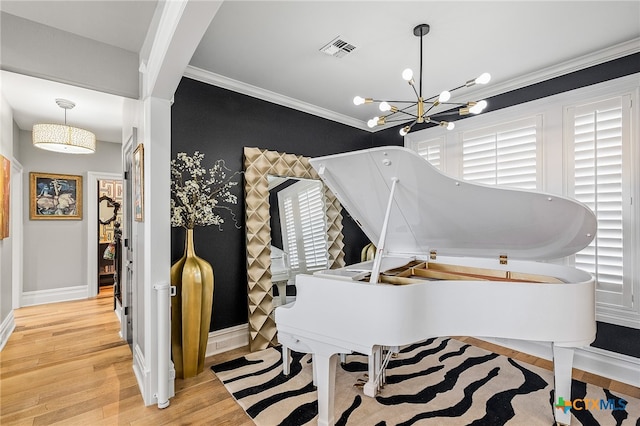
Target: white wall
{"type": "Point", "coordinates": [45, 52]}
{"type": "Point", "coordinates": [55, 255]}
{"type": "Point", "coordinates": [6, 247]}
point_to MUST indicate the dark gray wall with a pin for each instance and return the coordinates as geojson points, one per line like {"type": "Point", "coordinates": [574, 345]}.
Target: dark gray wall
{"type": "Point", "coordinates": [220, 123]}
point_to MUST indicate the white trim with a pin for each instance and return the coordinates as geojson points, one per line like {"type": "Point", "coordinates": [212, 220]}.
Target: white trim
{"type": "Point", "coordinates": [17, 228]}
{"type": "Point", "coordinates": [611, 365]}
{"type": "Point", "coordinates": [118, 311]}
{"type": "Point", "coordinates": [64, 294]}
{"type": "Point", "coordinates": [227, 339]}
{"type": "Point", "coordinates": [6, 328]}
{"type": "Point", "coordinates": [619, 316]}
{"type": "Point", "coordinates": [266, 95]}
{"type": "Point", "coordinates": [92, 227]}
{"type": "Point", "coordinates": [143, 377]}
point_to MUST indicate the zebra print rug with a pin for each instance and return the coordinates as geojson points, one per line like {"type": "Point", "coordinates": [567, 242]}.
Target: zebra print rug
{"type": "Point", "coordinates": [436, 382]}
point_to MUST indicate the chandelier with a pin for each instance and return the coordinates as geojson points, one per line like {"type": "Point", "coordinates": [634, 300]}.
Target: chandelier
{"type": "Point", "coordinates": [424, 110]}
{"type": "Point", "coordinates": [63, 138]}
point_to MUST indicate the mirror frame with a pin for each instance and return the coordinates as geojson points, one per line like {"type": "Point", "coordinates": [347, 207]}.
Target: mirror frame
{"type": "Point", "coordinates": [111, 203]}
{"type": "Point", "coordinates": [258, 163]}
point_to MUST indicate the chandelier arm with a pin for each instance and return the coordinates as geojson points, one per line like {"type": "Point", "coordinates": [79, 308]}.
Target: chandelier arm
{"type": "Point", "coordinates": [455, 104]}
{"type": "Point", "coordinates": [414, 88]}
{"type": "Point", "coordinates": [397, 102]}
{"type": "Point", "coordinates": [397, 121]}
{"type": "Point", "coordinates": [456, 88]}
{"type": "Point", "coordinates": [429, 109]}
{"type": "Point", "coordinates": [400, 112]}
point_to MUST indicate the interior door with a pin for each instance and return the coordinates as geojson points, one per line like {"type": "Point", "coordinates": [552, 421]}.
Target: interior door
{"type": "Point", "coordinates": [127, 249]}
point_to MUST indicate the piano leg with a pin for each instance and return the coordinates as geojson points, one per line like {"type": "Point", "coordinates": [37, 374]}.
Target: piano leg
{"type": "Point", "coordinates": [562, 365]}
{"type": "Point", "coordinates": [375, 360]}
{"type": "Point", "coordinates": [286, 360]}
{"type": "Point", "coordinates": [282, 292]}
{"type": "Point", "coordinates": [325, 368]}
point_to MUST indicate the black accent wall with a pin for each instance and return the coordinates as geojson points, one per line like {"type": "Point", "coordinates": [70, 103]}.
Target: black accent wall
{"type": "Point", "coordinates": [220, 123]}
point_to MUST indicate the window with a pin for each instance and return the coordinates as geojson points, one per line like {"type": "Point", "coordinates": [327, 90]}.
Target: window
{"type": "Point", "coordinates": [502, 155]}
{"type": "Point", "coordinates": [303, 225]}
{"type": "Point", "coordinates": [599, 142]}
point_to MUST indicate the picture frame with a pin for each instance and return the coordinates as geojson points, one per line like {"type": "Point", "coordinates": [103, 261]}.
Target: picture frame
{"type": "Point", "coordinates": [55, 196]}
{"type": "Point", "coordinates": [138, 183]}
{"type": "Point", "coordinates": [5, 186]}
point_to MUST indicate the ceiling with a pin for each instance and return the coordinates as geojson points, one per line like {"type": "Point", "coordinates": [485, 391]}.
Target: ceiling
{"type": "Point", "coordinates": [272, 48]}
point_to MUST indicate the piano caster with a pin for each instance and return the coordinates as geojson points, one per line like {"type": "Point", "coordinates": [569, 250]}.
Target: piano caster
{"type": "Point", "coordinates": [370, 389]}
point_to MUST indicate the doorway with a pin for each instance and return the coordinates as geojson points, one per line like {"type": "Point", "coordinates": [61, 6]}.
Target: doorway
{"type": "Point", "coordinates": [93, 226]}
{"type": "Point", "coordinates": [110, 196]}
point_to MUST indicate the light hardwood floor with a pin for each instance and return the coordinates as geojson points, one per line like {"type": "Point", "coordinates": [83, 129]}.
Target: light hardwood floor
{"type": "Point", "coordinates": [65, 364]}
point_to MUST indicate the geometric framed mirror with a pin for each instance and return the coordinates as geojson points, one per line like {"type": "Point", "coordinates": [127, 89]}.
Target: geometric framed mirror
{"type": "Point", "coordinates": [259, 165]}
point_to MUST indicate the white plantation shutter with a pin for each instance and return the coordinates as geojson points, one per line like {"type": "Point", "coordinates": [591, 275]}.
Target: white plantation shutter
{"type": "Point", "coordinates": [303, 226]}
{"type": "Point", "coordinates": [431, 150]}
{"type": "Point", "coordinates": [503, 155]}
{"type": "Point", "coordinates": [289, 230]}
{"type": "Point", "coordinates": [313, 228]}
{"type": "Point", "coordinates": [598, 181]}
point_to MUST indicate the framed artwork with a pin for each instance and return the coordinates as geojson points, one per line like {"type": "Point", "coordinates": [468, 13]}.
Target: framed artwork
{"type": "Point", "coordinates": [5, 175]}
{"type": "Point", "coordinates": [55, 197]}
{"type": "Point", "coordinates": [138, 183]}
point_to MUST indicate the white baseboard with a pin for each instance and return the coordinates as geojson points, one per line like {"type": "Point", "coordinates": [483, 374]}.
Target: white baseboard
{"type": "Point", "coordinates": [612, 365]}
{"type": "Point", "coordinates": [227, 339]}
{"type": "Point", "coordinates": [6, 328]}
{"type": "Point", "coordinates": [40, 297]}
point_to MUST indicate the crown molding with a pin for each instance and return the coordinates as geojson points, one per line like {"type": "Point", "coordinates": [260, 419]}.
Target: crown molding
{"type": "Point", "coordinates": [595, 58]}
{"type": "Point", "coordinates": [592, 59]}
{"type": "Point", "coordinates": [218, 80]}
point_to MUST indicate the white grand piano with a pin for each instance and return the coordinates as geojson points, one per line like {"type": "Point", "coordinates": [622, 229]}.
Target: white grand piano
{"type": "Point", "coordinates": [453, 259]}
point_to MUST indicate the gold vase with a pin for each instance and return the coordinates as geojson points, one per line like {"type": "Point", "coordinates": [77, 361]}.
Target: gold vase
{"type": "Point", "coordinates": [190, 311]}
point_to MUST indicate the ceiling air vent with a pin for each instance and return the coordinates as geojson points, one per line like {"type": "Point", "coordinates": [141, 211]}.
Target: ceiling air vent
{"type": "Point", "coordinates": [337, 48]}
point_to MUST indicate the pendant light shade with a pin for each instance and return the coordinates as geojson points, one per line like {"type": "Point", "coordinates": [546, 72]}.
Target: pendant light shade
{"type": "Point", "coordinates": [63, 138]}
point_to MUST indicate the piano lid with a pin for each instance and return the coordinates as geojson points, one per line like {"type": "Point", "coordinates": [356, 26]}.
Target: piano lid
{"type": "Point", "coordinates": [433, 211]}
